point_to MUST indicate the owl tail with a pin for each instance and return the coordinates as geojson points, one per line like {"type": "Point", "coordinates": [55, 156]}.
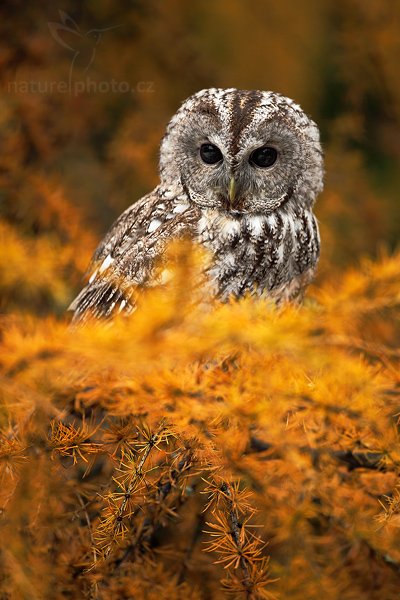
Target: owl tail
{"type": "Point", "coordinates": [100, 300]}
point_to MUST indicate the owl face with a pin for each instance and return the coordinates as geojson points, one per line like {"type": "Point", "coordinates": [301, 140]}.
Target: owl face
{"type": "Point", "coordinates": [242, 152]}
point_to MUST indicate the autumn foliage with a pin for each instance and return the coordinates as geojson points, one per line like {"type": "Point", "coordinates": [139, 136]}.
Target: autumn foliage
{"type": "Point", "coordinates": [194, 447]}
{"type": "Point", "coordinates": [195, 450]}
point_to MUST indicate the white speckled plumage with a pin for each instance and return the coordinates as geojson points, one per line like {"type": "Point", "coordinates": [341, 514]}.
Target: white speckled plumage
{"type": "Point", "coordinates": [263, 237]}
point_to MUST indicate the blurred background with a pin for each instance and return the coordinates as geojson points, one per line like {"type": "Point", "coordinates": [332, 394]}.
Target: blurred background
{"type": "Point", "coordinates": [87, 89]}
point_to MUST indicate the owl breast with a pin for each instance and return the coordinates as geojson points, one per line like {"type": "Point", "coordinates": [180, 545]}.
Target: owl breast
{"type": "Point", "coordinates": [274, 255]}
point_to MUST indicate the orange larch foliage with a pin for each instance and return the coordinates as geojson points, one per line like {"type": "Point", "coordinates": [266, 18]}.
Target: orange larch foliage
{"type": "Point", "coordinates": [194, 450]}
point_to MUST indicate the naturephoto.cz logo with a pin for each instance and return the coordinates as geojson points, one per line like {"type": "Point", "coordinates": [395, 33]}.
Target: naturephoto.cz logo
{"type": "Point", "coordinates": [82, 46]}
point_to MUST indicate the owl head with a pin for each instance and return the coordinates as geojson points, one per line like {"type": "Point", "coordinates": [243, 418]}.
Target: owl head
{"type": "Point", "coordinates": [242, 151]}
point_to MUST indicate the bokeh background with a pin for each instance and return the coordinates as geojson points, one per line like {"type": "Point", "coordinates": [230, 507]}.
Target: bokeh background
{"type": "Point", "coordinates": [87, 89]}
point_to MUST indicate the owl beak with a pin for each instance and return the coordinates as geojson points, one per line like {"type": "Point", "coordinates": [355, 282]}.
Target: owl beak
{"type": "Point", "coordinates": [232, 190]}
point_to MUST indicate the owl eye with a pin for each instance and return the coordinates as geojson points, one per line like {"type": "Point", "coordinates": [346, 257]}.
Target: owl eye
{"type": "Point", "coordinates": [264, 157]}
{"type": "Point", "coordinates": [210, 154]}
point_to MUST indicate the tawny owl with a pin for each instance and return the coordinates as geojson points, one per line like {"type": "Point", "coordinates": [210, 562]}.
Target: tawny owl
{"type": "Point", "coordinates": [240, 171]}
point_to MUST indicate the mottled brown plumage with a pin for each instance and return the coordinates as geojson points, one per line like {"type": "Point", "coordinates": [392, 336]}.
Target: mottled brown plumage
{"type": "Point", "coordinates": [251, 207]}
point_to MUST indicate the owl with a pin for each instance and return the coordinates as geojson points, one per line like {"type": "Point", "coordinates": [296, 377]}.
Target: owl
{"type": "Point", "coordinates": [239, 173]}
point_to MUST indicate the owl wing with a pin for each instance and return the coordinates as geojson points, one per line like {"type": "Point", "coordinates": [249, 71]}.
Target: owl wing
{"type": "Point", "coordinates": [125, 258]}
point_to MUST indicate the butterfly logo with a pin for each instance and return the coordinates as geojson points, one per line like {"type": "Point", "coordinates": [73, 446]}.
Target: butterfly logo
{"type": "Point", "coordinates": [83, 44]}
